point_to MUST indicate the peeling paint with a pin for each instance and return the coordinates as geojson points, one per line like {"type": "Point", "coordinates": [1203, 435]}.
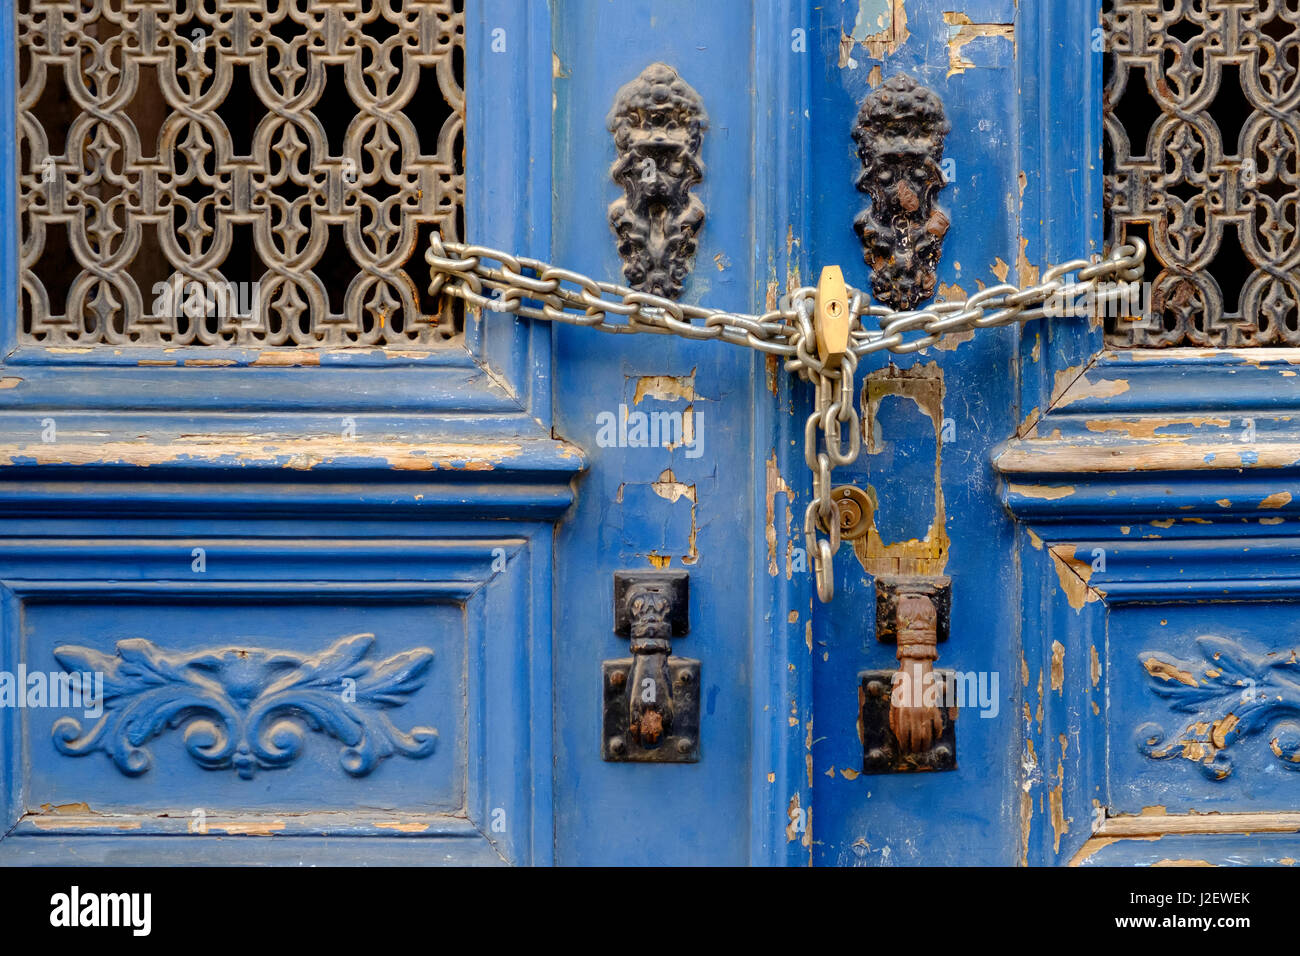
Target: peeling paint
{"type": "Point", "coordinates": [1028, 273]}
{"type": "Point", "coordinates": [1073, 575]}
{"type": "Point", "coordinates": [1026, 824]}
{"type": "Point", "coordinates": [1279, 499]}
{"type": "Point", "coordinates": [1060, 824]}
{"type": "Point", "coordinates": [247, 827]}
{"type": "Point", "coordinates": [297, 454]}
{"type": "Point", "coordinates": [670, 489]}
{"type": "Point", "coordinates": [92, 822]}
{"type": "Point", "coordinates": [962, 31]}
{"type": "Point", "coordinates": [1038, 716]}
{"type": "Point", "coordinates": [1146, 427]}
{"type": "Point", "coordinates": [776, 485]}
{"type": "Point", "coordinates": [1030, 421]}
{"type": "Point", "coordinates": [666, 388]}
{"type": "Point", "coordinates": [286, 358]}
{"type": "Point", "coordinates": [1047, 492]}
{"type": "Point", "coordinates": [880, 28]}
{"type": "Point", "coordinates": [1089, 849]}
{"type": "Point", "coordinates": [924, 385]}
{"type": "Point", "coordinates": [412, 827]}
{"type": "Point", "coordinates": [1058, 667]}
{"type": "Point", "coordinates": [1082, 388]}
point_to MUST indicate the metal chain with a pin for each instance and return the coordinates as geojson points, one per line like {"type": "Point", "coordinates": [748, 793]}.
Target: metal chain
{"type": "Point", "coordinates": [562, 295]}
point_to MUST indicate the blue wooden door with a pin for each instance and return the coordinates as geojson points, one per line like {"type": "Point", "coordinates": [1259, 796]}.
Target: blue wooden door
{"type": "Point", "coordinates": [313, 564]}
{"type": "Point", "coordinates": [1109, 489]}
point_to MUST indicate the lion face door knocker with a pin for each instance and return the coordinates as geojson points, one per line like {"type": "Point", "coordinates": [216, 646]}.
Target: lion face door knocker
{"type": "Point", "coordinates": [899, 134]}
{"type": "Point", "coordinates": [658, 122]}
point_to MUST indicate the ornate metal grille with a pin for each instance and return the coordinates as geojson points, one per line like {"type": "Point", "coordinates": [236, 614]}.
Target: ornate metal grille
{"type": "Point", "coordinates": [1203, 160]}
{"type": "Point", "coordinates": [236, 172]}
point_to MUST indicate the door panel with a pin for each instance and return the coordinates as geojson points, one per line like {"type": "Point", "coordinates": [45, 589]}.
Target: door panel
{"type": "Point", "coordinates": [929, 421]}
{"type": "Point", "coordinates": [315, 571]}
{"type": "Point", "coordinates": [691, 507]}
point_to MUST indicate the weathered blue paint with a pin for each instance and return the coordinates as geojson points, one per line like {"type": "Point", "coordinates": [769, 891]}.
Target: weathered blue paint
{"type": "Point", "coordinates": [1099, 508]}
{"type": "Point", "coordinates": [1157, 491]}
{"type": "Point", "coordinates": [642, 507]}
{"type": "Point", "coordinates": [895, 819]}
{"type": "Point", "coordinates": [432, 528]}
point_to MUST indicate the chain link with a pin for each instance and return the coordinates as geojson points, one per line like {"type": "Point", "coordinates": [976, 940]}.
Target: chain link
{"type": "Point", "coordinates": [833, 432]}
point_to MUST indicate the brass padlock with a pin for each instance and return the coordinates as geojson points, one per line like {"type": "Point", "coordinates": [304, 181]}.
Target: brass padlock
{"type": "Point", "coordinates": [831, 317]}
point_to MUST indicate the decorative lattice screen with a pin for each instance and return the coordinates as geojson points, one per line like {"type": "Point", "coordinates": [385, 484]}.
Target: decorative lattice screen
{"type": "Point", "coordinates": [1202, 120]}
{"type": "Point", "coordinates": [235, 173]}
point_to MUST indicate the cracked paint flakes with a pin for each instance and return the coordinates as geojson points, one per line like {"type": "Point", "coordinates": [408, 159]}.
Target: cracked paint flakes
{"type": "Point", "coordinates": [961, 32]}
{"type": "Point", "coordinates": [880, 28]}
{"type": "Point", "coordinates": [1073, 575]}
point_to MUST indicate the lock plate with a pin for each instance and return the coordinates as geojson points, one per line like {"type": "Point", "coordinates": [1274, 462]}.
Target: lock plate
{"type": "Point", "coordinates": [682, 745]}
{"type": "Point", "coordinates": [880, 750]}
{"type": "Point", "coordinates": [651, 700]}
